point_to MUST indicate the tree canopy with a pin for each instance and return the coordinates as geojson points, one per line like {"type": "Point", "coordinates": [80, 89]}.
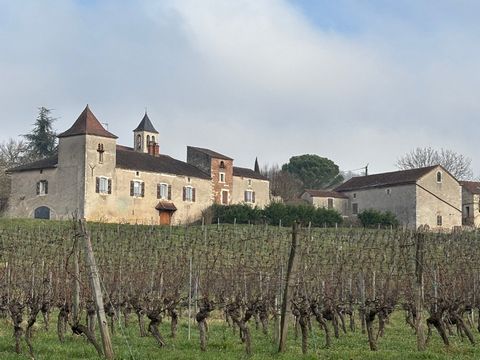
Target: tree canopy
{"type": "Point", "coordinates": [457, 164]}
{"type": "Point", "coordinates": [42, 140]}
{"type": "Point", "coordinates": [314, 171]}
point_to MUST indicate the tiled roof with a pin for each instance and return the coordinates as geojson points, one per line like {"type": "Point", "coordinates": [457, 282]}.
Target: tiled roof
{"type": "Point", "coordinates": [132, 160]}
{"type": "Point", "coordinates": [247, 173]}
{"type": "Point", "coordinates": [87, 124]}
{"type": "Point", "coordinates": [471, 186]}
{"type": "Point", "coordinates": [48, 163]}
{"type": "Point", "coordinates": [166, 205]}
{"type": "Point", "coordinates": [146, 125]}
{"type": "Point", "coordinates": [326, 194]}
{"type": "Point", "coordinates": [385, 179]}
{"type": "Point", "coordinates": [210, 153]}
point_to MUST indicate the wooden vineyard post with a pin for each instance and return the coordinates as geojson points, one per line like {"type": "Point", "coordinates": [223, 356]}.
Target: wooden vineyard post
{"type": "Point", "coordinates": [97, 293]}
{"type": "Point", "coordinates": [288, 290]}
{"type": "Point", "coordinates": [419, 264]}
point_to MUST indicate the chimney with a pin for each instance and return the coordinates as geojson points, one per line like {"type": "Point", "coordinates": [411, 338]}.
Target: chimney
{"type": "Point", "coordinates": [156, 149]}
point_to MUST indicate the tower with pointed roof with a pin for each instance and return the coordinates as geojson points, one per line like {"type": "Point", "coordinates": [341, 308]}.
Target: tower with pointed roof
{"type": "Point", "coordinates": [85, 151]}
{"type": "Point", "coordinates": [146, 137]}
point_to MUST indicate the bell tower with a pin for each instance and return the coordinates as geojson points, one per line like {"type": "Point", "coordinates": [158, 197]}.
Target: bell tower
{"type": "Point", "coordinates": [145, 137]}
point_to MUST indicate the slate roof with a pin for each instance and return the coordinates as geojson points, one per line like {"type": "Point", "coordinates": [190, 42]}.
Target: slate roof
{"type": "Point", "coordinates": [210, 153]}
{"type": "Point", "coordinates": [87, 124]}
{"type": "Point", "coordinates": [146, 125]}
{"type": "Point", "coordinates": [401, 177]}
{"type": "Point", "coordinates": [132, 160]}
{"type": "Point", "coordinates": [247, 173]}
{"type": "Point", "coordinates": [472, 186]}
{"type": "Point", "coordinates": [326, 194]}
{"type": "Point", "coordinates": [48, 163]}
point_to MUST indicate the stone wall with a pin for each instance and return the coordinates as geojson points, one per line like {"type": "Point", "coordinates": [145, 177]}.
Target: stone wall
{"type": "Point", "coordinates": [119, 206]}
{"type": "Point", "coordinates": [400, 200]}
{"type": "Point", "coordinates": [260, 187]}
{"type": "Point", "coordinates": [339, 204]}
{"type": "Point", "coordinates": [439, 199]}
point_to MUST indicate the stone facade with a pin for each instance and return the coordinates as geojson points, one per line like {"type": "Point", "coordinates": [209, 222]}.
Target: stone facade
{"type": "Point", "coordinates": [326, 199]}
{"type": "Point", "coordinates": [95, 178]}
{"type": "Point", "coordinates": [427, 196]}
{"type": "Point", "coordinates": [471, 203]}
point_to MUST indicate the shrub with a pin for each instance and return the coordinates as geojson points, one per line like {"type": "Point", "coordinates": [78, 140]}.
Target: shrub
{"type": "Point", "coordinates": [375, 218]}
{"type": "Point", "coordinates": [273, 214]}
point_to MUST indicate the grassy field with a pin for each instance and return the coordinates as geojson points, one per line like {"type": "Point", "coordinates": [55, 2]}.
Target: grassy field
{"type": "Point", "coordinates": [398, 343]}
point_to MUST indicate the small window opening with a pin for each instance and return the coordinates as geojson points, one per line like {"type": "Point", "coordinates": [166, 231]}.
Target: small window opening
{"type": "Point", "coordinates": [222, 165]}
{"type": "Point", "coordinates": [439, 177]}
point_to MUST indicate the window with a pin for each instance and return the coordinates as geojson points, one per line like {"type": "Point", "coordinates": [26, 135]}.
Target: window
{"type": "Point", "coordinates": [222, 165]}
{"type": "Point", "coordinates": [224, 197]}
{"type": "Point", "coordinates": [164, 191]}
{"type": "Point", "coordinates": [249, 196]}
{"type": "Point", "coordinates": [249, 182]}
{"type": "Point", "coordinates": [42, 212]}
{"type": "Point", "coordinates": [139, 142]}
{"type": "Point", "coordinates": [42, 187]}
{"type": "Point", "coordinates": [137, 188]}
{"type": "Point", "coordinates": [100, 153]}
{"type": "Point", "coordinates": [439, 176]}
{"type": "Point", "coordinates": [439, 220]}
{"type": "Point", "coordinates": [222, 177]}
{"type": "Point", "coordinates": [388, 191]}
{"type": "Point", "coordinates": [103, 185]}
{"type": "Point", "coordinates": [354, 195]}
{"type": "Point", "coordinates": [153, 139]}
{"type": "Point", "coordinates": [354, 208]}
{"type": "Point", "coordinates": [188, 193]}
{"type": "Point", "coordinates": [148, 139]}
{"type": "Point", "coordinates": [329, 204]}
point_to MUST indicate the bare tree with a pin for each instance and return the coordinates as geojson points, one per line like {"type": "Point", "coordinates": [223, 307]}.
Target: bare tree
{"type": "Point", "coordinates": [457, 164]}
{"type": "Point", "coordinates": [12, 153]}
{"type": "Point", "coordinates": [282, 183]}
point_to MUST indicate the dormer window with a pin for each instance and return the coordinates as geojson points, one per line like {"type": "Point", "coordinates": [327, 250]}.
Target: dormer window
{"type": "Point", "coordinates": [153, 139]}
{"type": "Point", "coordinates": [148, 139]}
{"type": "Point", "coordinates": [439, 176]}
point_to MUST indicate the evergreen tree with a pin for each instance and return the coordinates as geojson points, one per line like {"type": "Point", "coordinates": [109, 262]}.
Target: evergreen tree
{"type": "Point", "coordinates": [42, 140]}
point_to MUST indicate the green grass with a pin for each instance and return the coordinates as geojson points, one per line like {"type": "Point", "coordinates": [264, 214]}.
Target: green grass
{"type": "Point", "coordinates": [398, 343]}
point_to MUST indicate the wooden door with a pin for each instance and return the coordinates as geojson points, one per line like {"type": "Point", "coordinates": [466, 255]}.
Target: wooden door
{"type": "Point", "coordinates": [165, 217]}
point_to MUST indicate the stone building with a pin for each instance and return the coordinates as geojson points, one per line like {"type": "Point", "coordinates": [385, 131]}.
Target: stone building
{"type": "Point", "coordinates": [94, 177]}
{"type": "Point", "coordinates": [331, 200]}
{"type": "Point", "coordinates": [425, 196]}
{"type": "Point", "coordinates": [471, 202]}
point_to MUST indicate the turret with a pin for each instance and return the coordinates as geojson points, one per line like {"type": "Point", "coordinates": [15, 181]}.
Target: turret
{"type": "Point", "coordinates": [146, 137]}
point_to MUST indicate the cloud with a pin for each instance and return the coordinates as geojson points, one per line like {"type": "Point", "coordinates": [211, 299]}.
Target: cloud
{"type": "Point", "coordinates": [247, 78]}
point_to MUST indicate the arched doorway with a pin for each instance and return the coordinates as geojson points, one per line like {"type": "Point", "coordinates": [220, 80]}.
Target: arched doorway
{"type": "Point", "coordinates": [42, 212]}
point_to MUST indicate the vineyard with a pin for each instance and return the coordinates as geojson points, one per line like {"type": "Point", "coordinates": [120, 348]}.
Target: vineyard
{"type": "Point", "coordinates": [217, 291]}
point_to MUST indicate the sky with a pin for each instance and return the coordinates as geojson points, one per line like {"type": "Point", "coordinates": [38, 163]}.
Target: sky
{"type": "Point", "coordinates": [355, 81]}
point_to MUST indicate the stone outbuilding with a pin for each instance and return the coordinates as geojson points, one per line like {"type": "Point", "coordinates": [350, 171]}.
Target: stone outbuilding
{"type": "Point", "coordinates": [471, 202]}
{"type": "Point", "coordinates": [424, 196]}
{"type": "Point", "coordinates": [327, 199]}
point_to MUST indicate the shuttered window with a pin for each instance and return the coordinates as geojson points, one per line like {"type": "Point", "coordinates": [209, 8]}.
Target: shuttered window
{"type": "Point", "coordinates": [249, 196]}
{"type": "Point", "coordinates": [137, 188]}
{"type": "Point", "coordinates": [103, 185]}
{"type": "Point", "coordinates": [164, 191]}
{"type": "Point", "coordinates": [189, 193]}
